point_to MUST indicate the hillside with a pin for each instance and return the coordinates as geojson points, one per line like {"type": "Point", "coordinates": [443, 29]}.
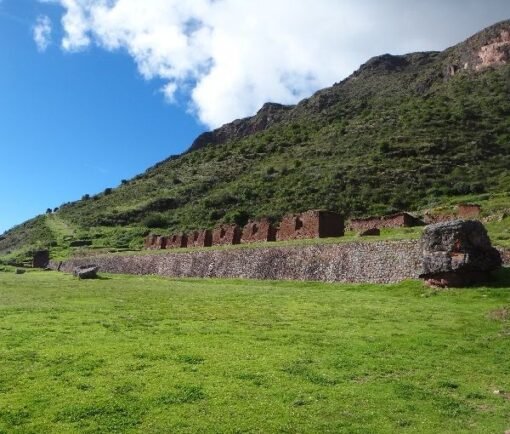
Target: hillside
{"type": "Point", "coordinates": [402, 133]}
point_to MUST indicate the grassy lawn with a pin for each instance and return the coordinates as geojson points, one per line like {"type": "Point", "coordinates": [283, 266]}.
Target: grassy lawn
{"type": "Point", "coordinates": [154, 355]}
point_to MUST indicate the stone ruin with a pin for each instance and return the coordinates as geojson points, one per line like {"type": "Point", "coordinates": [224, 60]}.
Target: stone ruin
{"type": "Point", "coordinates": [399, 220]}
{"type": "Point", "coordinates": [161, 242]}
{"type": "Point", "coordinates": [462, 211]}
{"type": "Point", "coordinates": [177, 241]}
{"type": "Point", "coordinates": [311, 224]}
{"type": "Point", "coordinates": [150, 241]}
{"type": "Point", "coordinates": [226, 234]}
{"type": "Point", "coordinates": [200, 239]}
{"type": "Point", "coordinates": [40, 259]}
{"type": "Point", "coordinates": [457, 253]}
{"type": "Point", "coordinates": [260, 230]}
{"type": "Point", "coordinates": [431, 219]}
{"type": "Point", "coordinates": [468, 211]}
{"type": "Point", "coordinates": [155, 242]}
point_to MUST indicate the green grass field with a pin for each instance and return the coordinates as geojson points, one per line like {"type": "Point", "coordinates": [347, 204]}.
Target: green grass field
{"type": "Point", "coordinates": [154, 355]}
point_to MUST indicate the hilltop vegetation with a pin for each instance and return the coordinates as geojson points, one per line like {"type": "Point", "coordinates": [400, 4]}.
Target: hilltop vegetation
{"type": "Point", "coordinates": [402, 133]}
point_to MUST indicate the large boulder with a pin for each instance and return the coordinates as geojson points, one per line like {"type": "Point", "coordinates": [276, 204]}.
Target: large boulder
{"type": "Point", "coordinates": [86, 272]}
{"type": "Point", "coordinates": [458, 253]}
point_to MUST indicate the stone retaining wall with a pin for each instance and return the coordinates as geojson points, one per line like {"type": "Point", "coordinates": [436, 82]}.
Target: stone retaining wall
{"type": "Point", "coordinates": [372, 262]}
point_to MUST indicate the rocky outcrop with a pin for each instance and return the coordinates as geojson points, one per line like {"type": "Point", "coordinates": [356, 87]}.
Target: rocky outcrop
{"type": "Point", "coordinates": [488, 48]}
{"type": "Point", "coordinates": [496, 52]}
{"type": "Point", "coordinates": [457, 253]}
{"type": "Point", "coordinates": [268, 115]}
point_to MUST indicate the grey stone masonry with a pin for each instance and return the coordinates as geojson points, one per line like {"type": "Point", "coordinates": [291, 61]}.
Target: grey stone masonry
{"type": "Point", "coordinates": [370, 262]}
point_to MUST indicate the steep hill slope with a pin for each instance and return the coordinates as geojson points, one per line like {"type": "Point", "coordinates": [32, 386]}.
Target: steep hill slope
{"type": "Point", "coordinates": [402, 132]}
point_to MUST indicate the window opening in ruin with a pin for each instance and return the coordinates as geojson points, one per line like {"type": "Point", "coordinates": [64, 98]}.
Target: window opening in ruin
{"type": "Point", "coordinates": [254, 229]}
{"type": "Point", "coordinates": [222, 233]}
{"type": "Point", "coordinates": [298, 224]}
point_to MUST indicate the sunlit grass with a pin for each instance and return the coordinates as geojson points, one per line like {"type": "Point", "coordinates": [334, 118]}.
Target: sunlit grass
{"type": "Point", "coordinates": [147, 354]}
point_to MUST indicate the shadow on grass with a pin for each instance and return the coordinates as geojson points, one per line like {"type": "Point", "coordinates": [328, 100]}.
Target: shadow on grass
{"type": "Point", "coordinates": [499, 279]}
{"type": "Point", "coordinates": [93, 278]}
{"type": "Point", "coordinates": [100, 277]}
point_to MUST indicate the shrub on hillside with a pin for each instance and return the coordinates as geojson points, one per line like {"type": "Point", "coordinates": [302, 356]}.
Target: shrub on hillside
{"type": "Point", "coordinates": [155, 221]}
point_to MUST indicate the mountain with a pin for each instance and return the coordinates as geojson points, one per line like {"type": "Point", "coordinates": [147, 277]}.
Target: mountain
{"type": "Point", "coordinates": [402, 132]}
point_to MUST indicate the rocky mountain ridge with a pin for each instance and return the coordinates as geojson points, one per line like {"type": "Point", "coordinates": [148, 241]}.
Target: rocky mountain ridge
{"type": "Point", "coordinates": [488, 48]}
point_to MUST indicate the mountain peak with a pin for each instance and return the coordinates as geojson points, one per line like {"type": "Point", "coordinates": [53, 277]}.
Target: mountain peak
{"type": "Point", "coordinates": [269, 114]}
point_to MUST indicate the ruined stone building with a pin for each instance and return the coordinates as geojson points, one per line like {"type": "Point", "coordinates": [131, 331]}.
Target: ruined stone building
{"type": "Point", "coordinates": [256, 231]}
{"type": "Point", "coordinates": [468, 211]}
{"type": "Point", "coordinates": [150, 241]}
{"type": "Point", "coordinates": [200, 239]}
{"type": "Point", "coordinates": [41, 259]}
{"type": "Point", "coordinates": [399, 220]}
{"type": "Point", "coordinates": [158, 243]}
{"type": "Point", "coordinates": [226, 234]}
{"type": "Point", "coordinates": [177, 241]}
{"type": "Point", "coordinates": [463, 211]}
{"type": "Point", "coordinates": [311, 224]}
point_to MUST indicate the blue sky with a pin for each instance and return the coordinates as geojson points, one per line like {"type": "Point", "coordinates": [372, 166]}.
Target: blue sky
{"type": "Point", "coordinates": [74, 123]}
{"type": "Point", "coordinates": [117, 86]}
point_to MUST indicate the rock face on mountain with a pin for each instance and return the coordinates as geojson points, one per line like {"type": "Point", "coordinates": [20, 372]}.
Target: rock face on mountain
{"type": "Point", "coordinates": [488, 48]}
{"type": "Point", "coordinates": [268, 115]}
{"type": "Point", "coordinates": [457, 253]}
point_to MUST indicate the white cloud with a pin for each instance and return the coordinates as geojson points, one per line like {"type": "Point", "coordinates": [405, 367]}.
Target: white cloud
{"type": "Point", "coordinates": [42, 32]}
{"type": "Point", "coordinates": [231, 56]}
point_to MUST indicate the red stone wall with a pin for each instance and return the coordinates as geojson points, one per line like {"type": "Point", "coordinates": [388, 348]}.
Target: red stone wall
{"type": "Point", "coordinates": [160, 243]}
{"type": "Point", "coordinates": [400, 220]}
{"type": "Point", "coordinates": [200, 239]}
{"type": "Point", "coordinates": [155, 242]}
{"type": "Point", "coordinates": [331, 224]}
{"type": "Point", "coordinates": [364, 224]}
{"type": "Point", "coordinates": [177, 241]}
{"type": "Point", "coordinates": [150, 241]}
{"type": "Point", "coordinates": [468, 211]}
{"type": "Point", "coordinates": [41, 259]}
{"type": "Point", "coordinates": [225, 234]}
{"type": "Point", "coordinates": [430, 219]}
{"type": "Point", "coordinates": [311, 224]}
{"type": "Point", "coordinates": [256, 231]}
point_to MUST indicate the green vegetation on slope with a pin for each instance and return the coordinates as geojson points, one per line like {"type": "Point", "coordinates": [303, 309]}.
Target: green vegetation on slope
{"type": "Point", "coordinates": [398, 134]}
{"type": "Point", "coordinates": [152, 355]}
